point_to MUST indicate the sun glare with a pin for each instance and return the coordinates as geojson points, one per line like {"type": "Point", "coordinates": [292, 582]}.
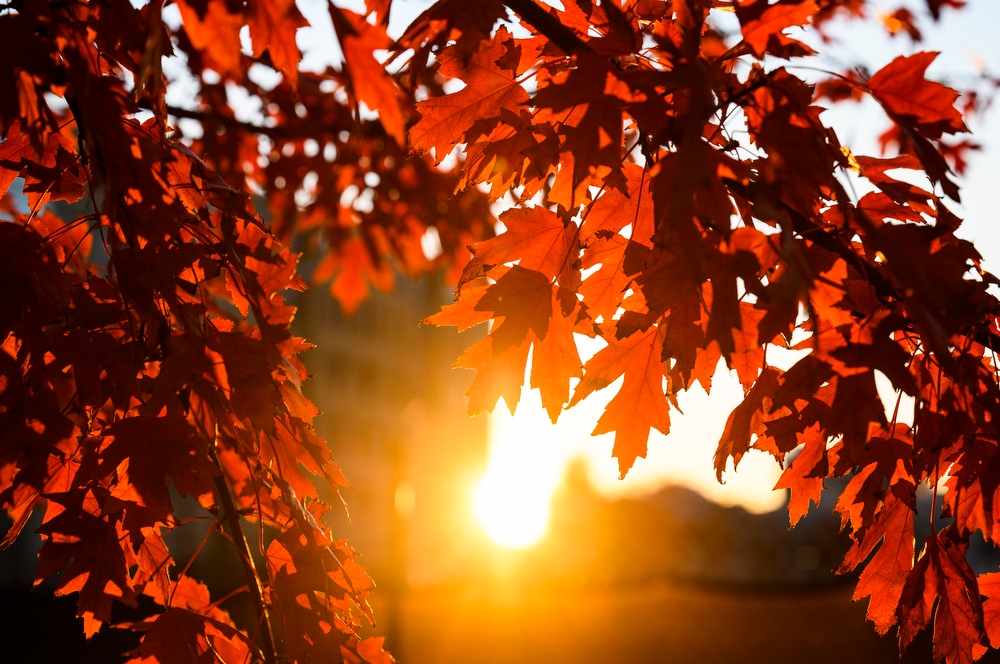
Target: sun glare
{"type": "Point", "coordinates": [529, 456]}
{"type": "Point", "coordinates": [511, 501]}
{"type": "Point", "coordinates": [512, 517]}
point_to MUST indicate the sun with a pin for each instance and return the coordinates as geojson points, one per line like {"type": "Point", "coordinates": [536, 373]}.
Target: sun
{"type": "Point", "coordinates": [512, 500]}
{"type": "Point", "coordinates": [513, 517]}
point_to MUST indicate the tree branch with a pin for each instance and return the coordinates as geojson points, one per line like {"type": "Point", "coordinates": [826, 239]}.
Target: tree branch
{"type": "Point", "coordinates": [549, 25]}
{"type": "Point", "coordinates": [232, 517]}
{"type": "Point", "coordinates": [231, 513]}
{"type": "Point", "coordinates": [230, 122]}
{"type": "Point", "coordinates": [884, 288]}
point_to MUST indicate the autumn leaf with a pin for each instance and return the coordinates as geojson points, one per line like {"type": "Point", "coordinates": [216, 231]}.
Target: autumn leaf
{"type": "Point", "coordinates": [554, 359]}
{"type": "Point", "coordinates": [500, 359]}
{"type": "Point", "coordinates": [616, 209]}
{"type": "Point", "coordinates": [973, 485]}
{"type": "Point", "coordinates": [943, 584]}
{"type": "Point", "coordinates": [216, 30]}
{"type": "Point", "coordinates": [935, 6]}
{"type": "Point", "coordinates": [353, 273]}
{"type": "Point", "coordinates": [273, 24]}
{"type": "Point", "coordinates": [604, 290]}
{"type": "Point", "coordinates": [804, 476]}
{"type": "Point", "coordinates": [884, 466]}
{"type": "Point", "coordinates": [991, 611]}
{"type": "Point", "coordinates": [748, 351]}
{"type": "Point", "coordinates": [536, 238]}
{"type": "Point", "coordinates": [922, 110]}
{"type": "Point", "coordinates": [776, 18]}
{"type": "Point", "coordinates": [498, 374]}
{"type": "Point", "coordinates": [370, 82]}
{"type": "Point", "coordinates": [747, 420]}
{"type": "Point", "coordinates": [53, 175]}
{"type": "Point", "coordinates": [640, 403]}
{"type": "Point", "coordinates": [451, 19]}
{"type": "Point", "coordinates": [928, 106]}
{"type": "Point", "coordinates": [594, 137]}
{"type": "Point", "coordinates": [884, 577]}
{"type": "Point", "coordinates": [179, 635]}
{"type": "Point", "coordinates": [488, 88]}
{"type": "Point", "coordinates": [174, 454]}
{"type": "Point", "coordinates": [504, 156]}
{"type": "Point", "coordinates": [902, 20]}
{"type": "Point", "coordinates": [523, 299]}
{"type": "Point", "coordinates": [76, 530]}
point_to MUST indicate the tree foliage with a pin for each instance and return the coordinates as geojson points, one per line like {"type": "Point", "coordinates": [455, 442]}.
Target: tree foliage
{"type": "Point", "coordinates": [147, 338]}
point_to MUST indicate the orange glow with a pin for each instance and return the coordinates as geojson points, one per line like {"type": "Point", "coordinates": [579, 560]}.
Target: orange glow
{"type": "Point", "coordinates": [511, 501]}
{"type": "Point", "coordinates": [513, 517]}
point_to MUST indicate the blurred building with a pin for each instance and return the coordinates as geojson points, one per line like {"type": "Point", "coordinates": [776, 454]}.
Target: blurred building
{"type": "Point", "coordinates": [394, 413]}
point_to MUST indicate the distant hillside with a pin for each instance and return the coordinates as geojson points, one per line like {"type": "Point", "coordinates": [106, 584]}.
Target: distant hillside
{"type": "Point", "coordinates": [676, 534]}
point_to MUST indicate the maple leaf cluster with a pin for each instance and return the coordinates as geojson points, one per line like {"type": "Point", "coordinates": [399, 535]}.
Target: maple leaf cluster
{"type": "Point", "coordinates": [642, 218]}
{"type": "Point", "coordinates": [146, 342]}
{"type": "Point", "coordinates": [335, 178]}
{"type": "Point", "coordinates": [670, 189]}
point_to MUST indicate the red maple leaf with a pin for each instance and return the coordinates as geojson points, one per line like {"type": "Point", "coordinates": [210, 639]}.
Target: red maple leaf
{"type": "Point", "coordinates": [640, 403]}
{"type": "Point", "coordinates": [804, 476]}
{"type": "Point", "coordinates": [489, 88]}
{"type": "Point", "coordinates": [886, 574]}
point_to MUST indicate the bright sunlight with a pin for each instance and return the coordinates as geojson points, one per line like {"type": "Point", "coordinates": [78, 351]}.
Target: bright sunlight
{"type": "Point", "coordinates": [511, 501]}
{"type": "Point", "coordinates": [529, 456]}
{"type": "Point", "coordinates": [513, 517]}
